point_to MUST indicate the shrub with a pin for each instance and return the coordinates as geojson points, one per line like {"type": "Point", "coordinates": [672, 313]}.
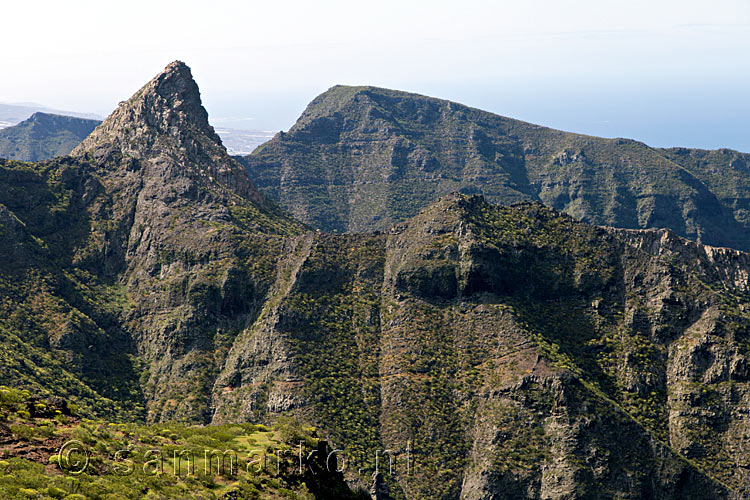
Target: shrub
{"type": "Point", "coordinates": [83, 435]}
{"type": "Point", "coordinates": [24, 431]}
{"type": "Point", "coordinates": [56, 492]}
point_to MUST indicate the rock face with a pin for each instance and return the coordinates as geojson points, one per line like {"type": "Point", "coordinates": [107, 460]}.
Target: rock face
{"type": "Point", "coordinates": [473, 351]}
{"type": "Point", "coordinates": [151, 220]}
{"type": "Point", "coordinates": [363, 158]}
{"type": "Point", "coordinates": [165, 124]}
{"type": "Point", "coordinates": [516, 352]}
{"type": "Point", "coordinates": [44, 136]}
{"type": "Point", "coordinates": [191, 226]}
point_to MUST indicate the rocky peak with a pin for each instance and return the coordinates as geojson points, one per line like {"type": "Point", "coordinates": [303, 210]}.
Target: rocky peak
{"type": "Point", "coordinates": [169, 105]}
{"type": "Point", "coordinates": [453, 208]}
{"type": "Point", "coordinates": [165, 125]}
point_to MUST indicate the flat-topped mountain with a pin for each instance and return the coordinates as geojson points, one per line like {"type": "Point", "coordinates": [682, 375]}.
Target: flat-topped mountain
{"type": "Point", "coordinates": [13, 114]}
{"type": "Point", "coordinates": [363, 158]}
{"type": "Point", "coordinates": [44, 136]}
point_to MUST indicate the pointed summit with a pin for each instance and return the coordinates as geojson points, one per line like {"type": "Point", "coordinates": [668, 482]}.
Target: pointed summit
{"type": "Point", "coordinates": [165, 127]}
{"type": "Point", "coordinates": [170, 105]}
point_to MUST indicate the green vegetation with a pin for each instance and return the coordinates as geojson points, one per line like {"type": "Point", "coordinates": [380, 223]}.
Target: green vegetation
{"type": "Point", "coordinates": [148, 289]}
{"type": "Point", "coordinates": [362, 158]}
{"type": "Point", "coordinates": [334, 340]}
{"type": "Point", "coordinates": [44, 136]}
{"type": "Point", "coordinates": [56, 456]}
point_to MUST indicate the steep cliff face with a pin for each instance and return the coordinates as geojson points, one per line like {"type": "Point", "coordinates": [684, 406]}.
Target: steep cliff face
{"type": "Point", "coordinates": [151, 207]}
{"type": "Point", "coordinates": [494, 352]}
{"type": "Point", "coordinates": [514, 352]}
{"type": "Point", "coordinates": [363, 158]}
{"type": "Point", "coordinates": [196, 239]}
{"type": "Point", "coordinates": [60, 322]}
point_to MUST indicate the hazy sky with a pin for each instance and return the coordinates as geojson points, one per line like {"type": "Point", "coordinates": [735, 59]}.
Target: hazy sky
{"type": "Point", "coordinates": [674, 72]}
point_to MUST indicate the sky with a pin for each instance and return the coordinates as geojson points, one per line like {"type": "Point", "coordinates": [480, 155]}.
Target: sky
{"type": "Point", "coordinates": [669, 72]}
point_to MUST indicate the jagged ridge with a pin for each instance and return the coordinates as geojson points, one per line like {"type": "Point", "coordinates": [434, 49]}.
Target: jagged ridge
{"type": "Point", "coordinates": [151, 221]}
{"type": "Point", "coordinates": [518, 351]}
{"type": "Point", "coordinates": [507, 345]}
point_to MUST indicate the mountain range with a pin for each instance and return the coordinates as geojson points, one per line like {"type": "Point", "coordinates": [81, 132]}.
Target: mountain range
{"type": "Point", "coordinates": [362, 158]}
{"type": "Point", "coordinates": [12, 114]}
{"type": "Point", "coordinates": [43, 136]}
{"type": "Point", "coordinates": [494, 351]}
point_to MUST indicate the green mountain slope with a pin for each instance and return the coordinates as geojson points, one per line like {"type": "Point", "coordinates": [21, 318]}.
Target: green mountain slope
{"type": "Point", "coordinates": [362, 158]}
{"type": "Point", "coordinates": [510, 350]}
{"type": "Point", "coordinates": [58, 455]}
{"type": "Point", "coordinates": [135, 261]}
{"type": "Point", "coordinates": [489, 351]}
{"type": "Point", "coordinates": [44, 136]}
